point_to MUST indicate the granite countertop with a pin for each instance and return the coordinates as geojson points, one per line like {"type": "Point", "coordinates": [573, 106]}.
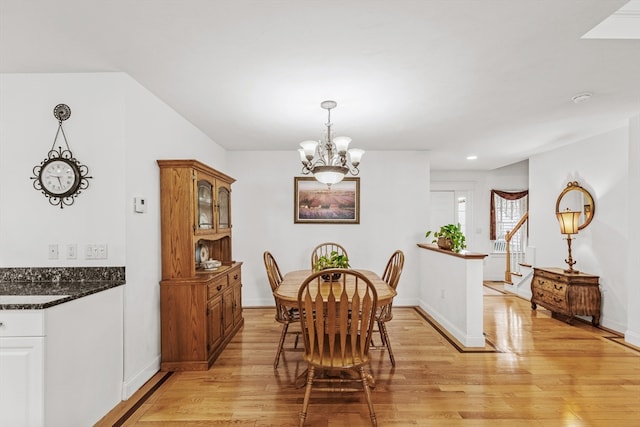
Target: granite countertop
{"type": "Point", "coordinates": [40, 288]}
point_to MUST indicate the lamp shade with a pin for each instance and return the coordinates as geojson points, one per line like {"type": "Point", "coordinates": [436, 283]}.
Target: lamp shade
{"type": "Point", "coordinates": [569, 221]}
{"type": "Point", "coordinates": [309, 148]}
{"type": "Point", "coordinates": [355, 154]}
{"type": "Point", "coordinates": [342, 143]}
{"type": "Point", "coordinates": [329, 174]}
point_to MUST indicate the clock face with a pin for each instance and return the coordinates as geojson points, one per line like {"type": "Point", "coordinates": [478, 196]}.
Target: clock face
{"type": "Point", "coordinates": [60, 177]}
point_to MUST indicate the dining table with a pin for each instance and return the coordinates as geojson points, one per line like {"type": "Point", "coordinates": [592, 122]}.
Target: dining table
{"type": "Point", "coordinates": [287, 292]}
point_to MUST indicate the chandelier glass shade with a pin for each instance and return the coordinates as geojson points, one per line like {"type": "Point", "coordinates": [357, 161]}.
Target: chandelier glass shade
{"type": "Point", "coordinates": [330, 160]}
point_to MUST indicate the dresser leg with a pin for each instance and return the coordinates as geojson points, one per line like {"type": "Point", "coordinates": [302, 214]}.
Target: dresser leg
{"type": "Point", "coordinates": [534, 306]}
{"type": "Point", "coordinates": [595, 320]}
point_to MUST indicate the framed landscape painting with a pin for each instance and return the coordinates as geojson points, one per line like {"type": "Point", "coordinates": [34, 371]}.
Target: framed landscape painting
{"type": "Point", "coordinates": [315, 203]}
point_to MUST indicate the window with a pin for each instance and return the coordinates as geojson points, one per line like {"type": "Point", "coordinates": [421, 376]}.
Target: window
{"type": "Point", "coordinates": [462, 213]}
{"type": "Point", "coordinates": [506, 211]}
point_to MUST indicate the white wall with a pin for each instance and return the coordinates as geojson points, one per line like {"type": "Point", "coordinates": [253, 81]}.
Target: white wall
{"type": "Point", "coordinates": [632, 333]}
{"type": "Point", "coordinates": [152, 131]}
{"type": "Point", "coordinates": [451, 293]}
{"type": "Point", "coordinates": [28, 223]}
{"type": "Point", "coordinates": [394, 199]}
{"type": "Point", "coordinates": [599, 164]}
{"type": "Point", "coordinates": [118, 129]}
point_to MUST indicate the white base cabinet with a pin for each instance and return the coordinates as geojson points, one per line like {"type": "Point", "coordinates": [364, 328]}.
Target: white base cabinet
{"type": "Point", "coordinates": [62, 366]}
{"type": "Point", "coordinates": [21, 380]}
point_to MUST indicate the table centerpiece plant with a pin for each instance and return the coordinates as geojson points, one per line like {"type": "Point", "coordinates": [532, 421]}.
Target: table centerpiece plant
{"type": "Point", "coordinates": [333, 260]}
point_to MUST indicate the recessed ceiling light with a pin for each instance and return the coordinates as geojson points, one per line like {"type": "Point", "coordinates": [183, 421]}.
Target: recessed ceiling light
{"type": "Point", "coordinates": [472, 157]}
{"type": "Point", "coordinates": [581, 97]}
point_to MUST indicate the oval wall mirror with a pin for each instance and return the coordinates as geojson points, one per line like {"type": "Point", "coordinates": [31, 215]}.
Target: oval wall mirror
{"type": "Point", "coordinates": [576, 198]}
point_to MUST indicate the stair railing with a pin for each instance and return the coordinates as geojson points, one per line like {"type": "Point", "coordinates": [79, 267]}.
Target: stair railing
{"type": "Point", "coordinates": [516, 242]}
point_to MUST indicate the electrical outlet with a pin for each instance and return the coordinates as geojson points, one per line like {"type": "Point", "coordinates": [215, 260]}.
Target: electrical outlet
{"type": "Point", "coordinates": [71, 251]}
{"type": "Point", "coordinates": [96, 251]}
{"type": "Point", "coordinates": [53, 251]}
{"type": "Point", "coordinates": [102, 251]}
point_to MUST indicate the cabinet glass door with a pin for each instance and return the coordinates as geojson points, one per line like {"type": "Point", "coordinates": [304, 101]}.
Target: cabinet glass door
{"type": "Point", "coordinates": [205, 205]}
{"type": "Point", "coordinates": [224, 208]}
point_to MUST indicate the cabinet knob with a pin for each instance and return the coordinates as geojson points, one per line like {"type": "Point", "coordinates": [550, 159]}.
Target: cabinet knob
{"type": "Point", "coordinates": [235, 277]}
{"type": "Point", "coordinates": [219, 287]}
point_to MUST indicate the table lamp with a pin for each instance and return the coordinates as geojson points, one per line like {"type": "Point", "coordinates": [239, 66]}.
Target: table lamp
{"type": "Point", "coordinates": [569, 223]}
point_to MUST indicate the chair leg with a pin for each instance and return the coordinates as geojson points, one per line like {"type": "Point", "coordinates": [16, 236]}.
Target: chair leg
{"type": "Point", "coordinates": [386, 341]}
{"type": "Point", "coordinates": [381, 331]}
{"type": "Point", "coordinates": [367, 395]}
{"type": "Point", "coordinates": [283, 335]}
{"type": "Point", "coordinates": [307, 395]}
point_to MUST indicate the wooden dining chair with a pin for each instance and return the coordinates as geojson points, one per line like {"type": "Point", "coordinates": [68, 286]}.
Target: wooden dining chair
{"type": "Point", "coordinates": [391, 276]}
{"type": "Point", "coordinates": [325, 249]}
{"type": "Point", "coordinates": [336, 318]}
{"type": "Point", "coordinates": [284, 315]}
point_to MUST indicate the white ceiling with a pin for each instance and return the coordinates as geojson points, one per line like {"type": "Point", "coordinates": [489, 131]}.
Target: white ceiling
{"type": "Point", "coordinates": [492, 78]}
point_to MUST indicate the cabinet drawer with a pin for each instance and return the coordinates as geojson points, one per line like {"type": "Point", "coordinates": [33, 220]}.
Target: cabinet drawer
{"type": "Point", "coordinates": [555, 300]}
{"type": "Point", "coordinates": [552, 301]}
{"type": "Point", "coordinates": [22, 323]}
{"type": "Point", "coordinates": [234, 277]}
{"type": "Point", "coordinates": [216, 286]}
{"type": "Point", "coordinates": [551, 286]}
{"type": "Point", "coordinates": [554, 277]}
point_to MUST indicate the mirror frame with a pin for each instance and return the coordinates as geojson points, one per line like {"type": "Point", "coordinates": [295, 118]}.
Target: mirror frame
{"type": "Point", "coordinates": [574, 186]}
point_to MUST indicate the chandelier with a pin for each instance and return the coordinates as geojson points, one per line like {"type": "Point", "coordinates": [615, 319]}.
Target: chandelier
{"type": "Point", "coordinates": [329, 160]}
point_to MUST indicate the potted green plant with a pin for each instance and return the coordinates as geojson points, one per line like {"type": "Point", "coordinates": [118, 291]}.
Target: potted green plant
{"type": "Point", "coordinates": [449, 237]}
{"type": "Point", "coordinates": [333, 260]}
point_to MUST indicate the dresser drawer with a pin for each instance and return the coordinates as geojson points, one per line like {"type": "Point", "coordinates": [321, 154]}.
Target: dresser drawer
{"type": "Point", "coordinates": [550, 286]}
{"type": "Point", "coordinates": [547, 298]}
{"type": "Point", "coordinates": [555, 300]}
{"type": "Point", "coordinates": [234, 277]}
{"type": "Point", "coordinates": [217, 286]}
{"type": "Point", "coordinates": [555, 277]}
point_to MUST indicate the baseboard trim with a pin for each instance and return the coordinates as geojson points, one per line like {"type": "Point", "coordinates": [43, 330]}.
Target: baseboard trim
{"type": "Point", "coordinates": [489, 346]}
{"type": "Point", "coordinates": [141, 401]}
{"type": "Point", "coordinates": [132, 385]}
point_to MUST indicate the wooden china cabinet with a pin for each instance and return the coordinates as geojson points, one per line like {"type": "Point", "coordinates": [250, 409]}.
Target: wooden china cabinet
{"type": "Point", "coordinates": [200, 309]}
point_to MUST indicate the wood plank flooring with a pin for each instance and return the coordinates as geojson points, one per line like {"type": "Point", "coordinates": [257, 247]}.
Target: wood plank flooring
{"type": "Point", "coordinates": [543, 372]}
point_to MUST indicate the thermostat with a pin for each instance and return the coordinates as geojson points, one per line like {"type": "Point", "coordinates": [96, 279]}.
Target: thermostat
{"type": "Point", "coordinates": [139, 204]}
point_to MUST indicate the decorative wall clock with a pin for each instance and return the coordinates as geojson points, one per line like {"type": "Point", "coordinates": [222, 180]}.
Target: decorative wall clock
{"type": "Point", "coordinates": [60, 177]}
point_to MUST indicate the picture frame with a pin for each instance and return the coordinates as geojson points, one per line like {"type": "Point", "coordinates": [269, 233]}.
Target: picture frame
{"type": "Point", "coordinates": [317, 203]}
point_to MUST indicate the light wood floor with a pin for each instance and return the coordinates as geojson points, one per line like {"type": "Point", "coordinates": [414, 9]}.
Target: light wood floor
{"type": "Point", "coordinates": [540, 372]}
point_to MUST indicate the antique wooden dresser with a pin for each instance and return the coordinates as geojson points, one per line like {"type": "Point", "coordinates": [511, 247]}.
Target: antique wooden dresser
{"type": "Point", "coordinates": [568, 294]}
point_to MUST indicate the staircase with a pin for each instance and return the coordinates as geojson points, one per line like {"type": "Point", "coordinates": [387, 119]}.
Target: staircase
{"type": "Point", "coordinates": [519, 259]}
{"type": "Point", "coordinates": [521, 281]}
